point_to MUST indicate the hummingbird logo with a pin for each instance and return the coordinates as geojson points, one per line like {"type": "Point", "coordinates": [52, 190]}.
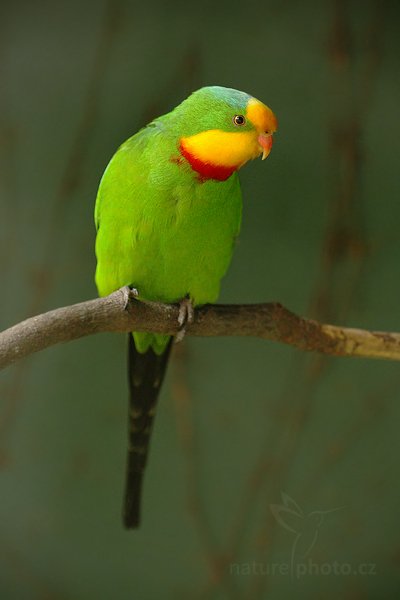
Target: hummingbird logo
{"type": "Point", "coordinates": [305, 527]}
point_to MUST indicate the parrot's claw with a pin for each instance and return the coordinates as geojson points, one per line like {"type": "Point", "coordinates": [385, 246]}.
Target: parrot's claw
{"type": "Point", "coordinates": [128, 293]}
{"type": "Point", "coordinates": [185, 317]}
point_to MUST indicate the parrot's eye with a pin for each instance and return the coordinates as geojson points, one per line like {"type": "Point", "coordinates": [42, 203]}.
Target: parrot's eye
{"type": "Point", "coordinates": [239, 120]}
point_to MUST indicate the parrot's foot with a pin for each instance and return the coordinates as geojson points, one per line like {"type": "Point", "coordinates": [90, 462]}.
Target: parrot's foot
{"type": "Point", "coordinates": [129, 292]}
{"type": "Point", "coordinates": [185, 317]}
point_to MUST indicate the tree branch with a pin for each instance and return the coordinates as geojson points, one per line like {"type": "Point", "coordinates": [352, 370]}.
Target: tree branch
{"type": "Point", "coordinates": [122, 312]}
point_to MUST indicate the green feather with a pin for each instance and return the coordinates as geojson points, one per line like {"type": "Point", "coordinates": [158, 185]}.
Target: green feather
{"type": "Point", "coordinates": [159, 229]}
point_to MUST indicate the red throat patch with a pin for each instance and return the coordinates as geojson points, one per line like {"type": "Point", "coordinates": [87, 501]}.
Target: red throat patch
{"type": "Point", "coordinates": [206, 170]}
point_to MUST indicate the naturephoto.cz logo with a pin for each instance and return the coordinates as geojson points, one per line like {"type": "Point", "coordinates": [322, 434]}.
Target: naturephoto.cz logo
{"type": "Point", "coordinates": [305, 529]}
{"type": "Point", "coordinates": [301, 569]}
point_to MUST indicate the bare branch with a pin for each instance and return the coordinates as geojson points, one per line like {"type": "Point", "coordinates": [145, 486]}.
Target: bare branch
{"type": "Point", "coordinates": [121, 312]}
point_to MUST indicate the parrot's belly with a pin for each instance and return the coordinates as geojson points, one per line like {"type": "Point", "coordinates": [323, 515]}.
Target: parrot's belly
{"type": "Point", "coordinates": [188, 255]}
{"type": "Point", "coordinates": [181, 266]}
{"type": "Point", "coordinates": [182, 249]}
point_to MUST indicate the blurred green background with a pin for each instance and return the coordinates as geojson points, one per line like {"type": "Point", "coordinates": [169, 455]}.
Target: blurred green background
{"type": "Point", "coordinates": [253, 441]}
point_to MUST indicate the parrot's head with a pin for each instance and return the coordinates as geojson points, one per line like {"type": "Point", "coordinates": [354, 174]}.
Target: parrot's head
{"type": "Point", "coordinates": [221, 129]}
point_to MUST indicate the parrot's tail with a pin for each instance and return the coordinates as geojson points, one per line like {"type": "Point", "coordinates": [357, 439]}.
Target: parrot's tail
{"type": "Point", "coordinates": [146, 373]}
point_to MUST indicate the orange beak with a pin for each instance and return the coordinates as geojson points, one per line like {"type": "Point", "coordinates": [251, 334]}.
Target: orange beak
{"type": "Point", "coordinates": [264, 122]}
{"type": "Point", "coordinates": [265, 141]}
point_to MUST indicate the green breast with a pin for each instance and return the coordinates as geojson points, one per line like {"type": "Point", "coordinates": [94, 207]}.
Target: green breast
{"type": "Point", "coordinates": [160, 229]}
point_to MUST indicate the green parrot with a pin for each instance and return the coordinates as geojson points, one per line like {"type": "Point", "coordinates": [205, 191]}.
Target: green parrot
{"type": "Point", "coordinates": [168, 211]}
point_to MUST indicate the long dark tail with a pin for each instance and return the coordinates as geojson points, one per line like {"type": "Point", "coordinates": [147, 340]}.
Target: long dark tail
{"type": "Point", "coordinates": [146, 373]}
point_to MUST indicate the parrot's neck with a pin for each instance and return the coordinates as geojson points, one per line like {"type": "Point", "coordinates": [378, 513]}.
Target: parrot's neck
{"type": "Point", "coordinates": [205, 169]}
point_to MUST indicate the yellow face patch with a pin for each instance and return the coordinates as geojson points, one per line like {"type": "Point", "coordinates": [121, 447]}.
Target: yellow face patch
{"type": "Point", "coordinates": [261, 116]}
{"type": "Point", "coordinates": [231, 149]}
{"type": "Point", "coordinates": [228, 149]}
